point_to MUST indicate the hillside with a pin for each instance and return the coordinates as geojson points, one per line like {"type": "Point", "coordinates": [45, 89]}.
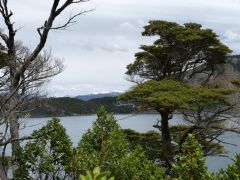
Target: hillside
{"type": "Point", "coordinates": [66, 106]}
{"type": "Point", "coordinates": [234, 60]}
{"type": "Point", "coordinates": [89, 104]}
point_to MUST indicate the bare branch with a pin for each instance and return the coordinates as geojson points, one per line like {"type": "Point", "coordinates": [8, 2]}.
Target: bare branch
{"type": "Point", "coordinates": [48, 25]}
{"type": "Point", "coordinates": [25, 138]}
{"type": "Point", "coordinates": [70, 21]}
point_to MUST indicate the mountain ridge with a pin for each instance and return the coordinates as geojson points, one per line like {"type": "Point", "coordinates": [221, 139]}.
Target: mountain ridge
{"type": "Point", "coordinates": [98, 95]}
{"type": "Point", "coordinates": [67, 106]}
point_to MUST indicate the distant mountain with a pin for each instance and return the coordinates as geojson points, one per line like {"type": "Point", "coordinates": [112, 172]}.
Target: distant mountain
{"type": "Point", "coordinates": [95, 96]}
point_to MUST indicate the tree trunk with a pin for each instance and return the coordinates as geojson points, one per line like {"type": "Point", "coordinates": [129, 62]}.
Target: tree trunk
{"type": "Point", "coordinates": [3, 175]}
{"type": "Point", "coordinates": [166, 138]}
{"type": "Point", "coordinates": [14, 127]}
{"type": "Point", "coordinates": [14, 131]}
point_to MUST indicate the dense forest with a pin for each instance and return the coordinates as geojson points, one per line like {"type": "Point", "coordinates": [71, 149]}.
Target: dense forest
{"type": "Point", "coordinates": [66, 106]}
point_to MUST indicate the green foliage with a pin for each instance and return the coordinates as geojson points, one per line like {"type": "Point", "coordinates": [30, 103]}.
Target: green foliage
{"type": "Point", "coordinates": [191, 166]}
{"type": "Point", "coordinates": [96, 174]}
{"type": "Point", "coordinates": [191, 163]}
{"type": "Point", "coordinates": [106, 146]}
{"type": "Point", "coordinates": [236, 82]}
{"type": "Point", "coordinates": [173, 94]}
{"type": "Point", "coordinates": [152, 144]}
{"type": "Point", "coordinates": [166, 93]}
{"type": "Point", "coordinates": [51, 155]}
{"type": "Point", "coordinates": [179, 53]}
{"type": "Point", "coordinates": [178, 49]}
{"type": "Point", "coordinates": [137, 166]}
{"type": "Point", "coordinates": [232, 171]}
{"type": "Point", "coordinates": [149, 141]}
{"type": "Point", "coordinates": [48, 156]}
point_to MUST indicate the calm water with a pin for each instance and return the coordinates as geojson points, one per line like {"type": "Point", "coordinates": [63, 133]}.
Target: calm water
{"type": "Point", "coordinates": [77, 125]}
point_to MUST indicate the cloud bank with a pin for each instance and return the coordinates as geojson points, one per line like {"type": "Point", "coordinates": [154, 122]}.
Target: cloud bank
{"type": "Point", "coordinates": [98, 48]}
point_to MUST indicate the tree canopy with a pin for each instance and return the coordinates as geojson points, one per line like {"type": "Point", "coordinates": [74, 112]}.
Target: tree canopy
{"type": "Point", "coordinates": [171, 94]}
{"type": "Point", "coordinates": [180, 51]}
{"type": "Point", "coordinates": [168, 95]}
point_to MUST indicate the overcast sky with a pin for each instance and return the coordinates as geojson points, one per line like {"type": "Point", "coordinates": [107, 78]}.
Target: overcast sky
{"type": "Point", "coordinates": [97, 49]}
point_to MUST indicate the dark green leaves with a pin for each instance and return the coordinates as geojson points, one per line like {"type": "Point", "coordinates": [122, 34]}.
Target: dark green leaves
{"type": "Point", "coordinates": [174, 95]}
{"type": "Point", "coordinates": [191, 163]}
{"type": "Point", "coordinates": [181, 51]}
{"type": "Point", "coordinates": [96, 174]}
{"type": "Point", "coordinates": [49, 155]}
{"type": "Point", "coordinates": [106, 146]}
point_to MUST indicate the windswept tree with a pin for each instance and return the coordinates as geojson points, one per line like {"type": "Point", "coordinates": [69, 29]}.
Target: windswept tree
{"type": "Point", "coordinates": [180, 51]}
{"type": "Point", "coordinates": [168, 95]}
{"type": "Point", "coordinates": [25, 69]}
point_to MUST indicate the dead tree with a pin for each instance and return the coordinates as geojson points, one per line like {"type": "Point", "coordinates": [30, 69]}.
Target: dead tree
{"type": "Point", "coordinates": [209, 124]}
{"type": "Point", "coordinates": [26, 70]}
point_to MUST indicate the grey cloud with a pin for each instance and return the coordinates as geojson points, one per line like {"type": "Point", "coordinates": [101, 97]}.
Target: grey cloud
{"type": "Point", "coordinates": [87, 47]}
{"type": "Point", "coordinates": [98, 48]}
{"type": "Point", "coordinates": [113, 48]}
{"type": "Point", "coordinates": [105, 47]}
{"type": "Point", "coordinates": [231, 36]}
{"type": "Point", "coordinates": [83, 88]}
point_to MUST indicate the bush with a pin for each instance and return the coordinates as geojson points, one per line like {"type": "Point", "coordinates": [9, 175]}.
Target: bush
{"type": "Point", "coordinates": [191, 164]}
{"type": "Point", "coordinates": [105, 145]}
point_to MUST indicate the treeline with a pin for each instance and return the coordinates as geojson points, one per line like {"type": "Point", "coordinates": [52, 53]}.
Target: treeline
{"type": "Point", "coordinates": [66, 106]}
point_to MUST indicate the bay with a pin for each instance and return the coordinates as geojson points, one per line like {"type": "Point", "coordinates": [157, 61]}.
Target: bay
{"type": "Point", "coordinates": [77, 125]}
